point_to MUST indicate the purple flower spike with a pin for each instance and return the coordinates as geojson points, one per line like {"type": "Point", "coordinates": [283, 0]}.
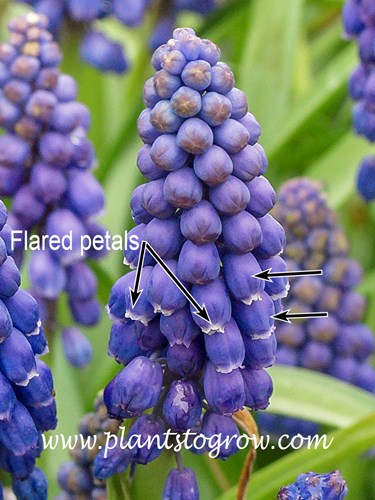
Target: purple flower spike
{"type": "Point", "coordinates": [46, 160]}
{"type": "Point", "coordinates": [331, 486]}
{"type": "Point", "coordinates": [340, 345]}
{"type": "Point", "coordinates": [358, 23]}
{"type": "Point", "coordinates": [27, 406]}
{"type": "Point", "coordinates": [205, 212]}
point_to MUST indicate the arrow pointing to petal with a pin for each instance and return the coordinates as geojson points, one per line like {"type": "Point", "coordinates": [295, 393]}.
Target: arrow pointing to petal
{"type": "Point", "coordinates": [266, 275]}
{"type": "Point", "coordinates": [201, 310]}
{"type": "Point", "coordinates": [135, 293]}
{"type": "Point", "coordinates": [286, 316]}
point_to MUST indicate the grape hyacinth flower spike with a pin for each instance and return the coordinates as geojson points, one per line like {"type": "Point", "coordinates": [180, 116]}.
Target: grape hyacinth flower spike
{"type": "Point", "coordinates": [204, 214]}
{"type": "Point", "coordinates": [27, 404]}
{"type": "Point", "coordinates": [96, 47]}
{"type": "Point", "coordinates": [331, 486]}
{"type": "Point", "coordinates": [45, 168]}
{"type": "Point", "coordinates": [358, 21]}
{"type": "Point", "coordinates": [340, 345]}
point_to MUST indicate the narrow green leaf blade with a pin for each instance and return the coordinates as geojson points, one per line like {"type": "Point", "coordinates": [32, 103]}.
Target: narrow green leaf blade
{"type": "Point", "coordinates": [330, 83]}
{"type": "Point", "coordinates": [314, 396]}
{"type": "Point", "coordinates": [268, 65]}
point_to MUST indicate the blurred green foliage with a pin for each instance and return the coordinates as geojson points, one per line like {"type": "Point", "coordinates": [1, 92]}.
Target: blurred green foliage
{"type": "Point", "coordinates": [290, 58]}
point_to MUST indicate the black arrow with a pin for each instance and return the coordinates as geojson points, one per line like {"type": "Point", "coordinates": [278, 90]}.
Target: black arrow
{"type": "Point", "coordinates": [285, 315]}
{"type": "Point", "coordinates": [134, 292]}
{"type": "Point", "coordinates": [266, 275]}
{"type": "Point", "coordinates": [201, 310]}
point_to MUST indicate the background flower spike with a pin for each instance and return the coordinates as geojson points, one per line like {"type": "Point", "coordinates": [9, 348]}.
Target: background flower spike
{"type": "Point", "coordinates": [27, 395]}
{"type": "Point", "coordinates": [57, 195]}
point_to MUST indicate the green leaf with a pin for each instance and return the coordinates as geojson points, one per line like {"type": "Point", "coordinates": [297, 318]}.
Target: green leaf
{"type": "Point", "coordinates": [331, 82]}
{"type": "Point", "coordinates": [119, 185]}
{"type": "Point", "coordinates": [117, 488]}
{"type": "Point", "coordinates": [314, 396]}
{"type": "Point", "coordinates": [349, 442]}
{"type": "Point", "coordinates": [268, 60]}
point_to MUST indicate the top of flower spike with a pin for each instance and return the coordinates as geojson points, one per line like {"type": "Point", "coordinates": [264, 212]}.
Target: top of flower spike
{"type": "Point", "coordinates": [29, 34]}
{"type": "Point", "coordinates": [193, 105]}
{"type": "Point", "coordinates": [302, 207]}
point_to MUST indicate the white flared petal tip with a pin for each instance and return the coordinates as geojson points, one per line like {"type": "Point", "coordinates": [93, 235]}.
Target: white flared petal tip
{"type": "Point", "coordinates": [112, 317]}
{"type": "Point", "coordinates": [46, 351]}
{"type": "Point", "coordinates": [129, 264]}
{"type": "Point", "coordinates": [253, 298]}
{"type": "Point", "coordinates": [30, 376]}
{"type": "Point", "coordinates": [282, 294]}
{"type": "Point", "coordinates": [165, 312]}
{"type": "Point", "coordinates": [37, 329]}
{"type": "Point", "coordinates": [265, 335]}
{"type": "Point", "coordinates": [46, 403]}
{"type": "Point", "coordinates": [228, 369]}
{"type": "Point", "coordinates": [211, 329]}
{"type": "Point", "coordinates": [137, 317]}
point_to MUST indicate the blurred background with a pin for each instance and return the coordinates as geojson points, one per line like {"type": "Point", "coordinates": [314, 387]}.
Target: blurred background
{"type": "Point", "coordinates": [290, 57]}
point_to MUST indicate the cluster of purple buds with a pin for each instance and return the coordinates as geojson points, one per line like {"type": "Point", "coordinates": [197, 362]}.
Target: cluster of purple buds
{"type": "Point", "coordinates": [311, 486]}
{"type": "Point", "coordinates": [45, 163]}
{"type": "Point", "coordinates": [359, 23]}
{"type": "Point", "coordinates": [340, 345]}
{"type": "Point", "coordinates": [27, 404]}
{"type": "Point", "coordinates": [204, 212]}
{"type": "Point", "coordinates": [97, 48]}
{"type": "Point", "coordinates": [84, 476]}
